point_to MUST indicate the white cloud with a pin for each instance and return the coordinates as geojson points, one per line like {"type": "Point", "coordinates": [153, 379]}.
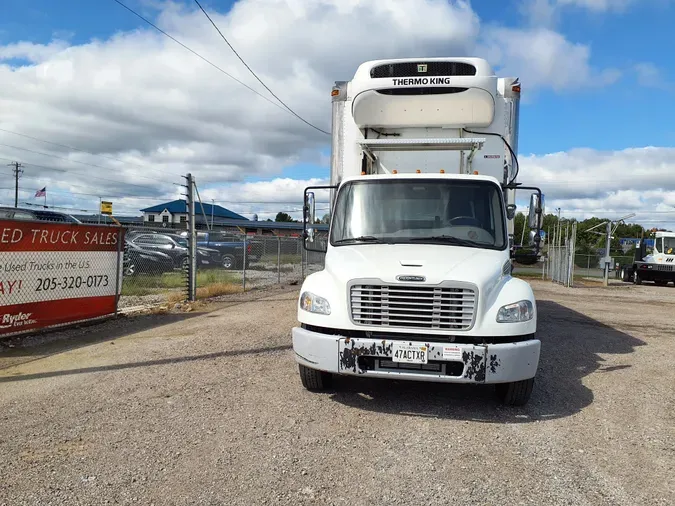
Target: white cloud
{"type": "Point", "coordinates": [544, 58]}
{"type": "Point", "coordinates": [158, 112]}
{"type": "Point", "coordinates": [651, 76]}
{"type": "Point", "coordinates": [586, 182]}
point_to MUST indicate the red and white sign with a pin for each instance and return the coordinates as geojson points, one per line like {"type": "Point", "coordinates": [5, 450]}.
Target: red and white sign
{"type": "Point", "coordinates": [55, 273]}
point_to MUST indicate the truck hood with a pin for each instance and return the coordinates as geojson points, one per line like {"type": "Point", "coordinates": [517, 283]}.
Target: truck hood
{"type": "Point", "coordinates": [436, 262]}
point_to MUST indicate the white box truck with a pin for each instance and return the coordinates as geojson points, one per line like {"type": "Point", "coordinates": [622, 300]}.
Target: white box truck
{"type": "Point", "coordinates": [417, 282]}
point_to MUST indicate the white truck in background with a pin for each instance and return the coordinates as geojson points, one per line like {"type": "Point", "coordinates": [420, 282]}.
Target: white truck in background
{"type": "Point", "coordinates": [417, 278]}
{"type": "Point", "coordinates": [658, 266]}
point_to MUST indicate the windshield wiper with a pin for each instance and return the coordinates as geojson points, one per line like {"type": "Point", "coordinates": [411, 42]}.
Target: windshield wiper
{"type": "Point", "coordinates": [362, 238]}
{"type": "Point", "coordinates": [449, 239]}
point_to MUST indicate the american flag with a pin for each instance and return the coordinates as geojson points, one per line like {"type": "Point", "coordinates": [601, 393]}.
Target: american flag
{"type": "Point", "coordinates": [41, 193]}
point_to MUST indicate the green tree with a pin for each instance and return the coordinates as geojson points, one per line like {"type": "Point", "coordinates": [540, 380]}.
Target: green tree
{"type": "Point", "coordinates": [284, 218]}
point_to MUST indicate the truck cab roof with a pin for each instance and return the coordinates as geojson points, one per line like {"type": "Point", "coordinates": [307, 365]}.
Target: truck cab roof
{"type": "Point", "coordinates": [423, 175]}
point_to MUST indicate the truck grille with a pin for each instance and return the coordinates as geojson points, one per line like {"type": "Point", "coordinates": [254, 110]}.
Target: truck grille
{"type": "Point", "coordinates": [433, 68]}
{"type": "Point", "coordinates": [428, 307]}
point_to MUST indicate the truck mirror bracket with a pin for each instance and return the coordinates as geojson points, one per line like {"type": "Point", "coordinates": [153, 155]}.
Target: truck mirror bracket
{"type": "Point", "coordinates": [309, 232]}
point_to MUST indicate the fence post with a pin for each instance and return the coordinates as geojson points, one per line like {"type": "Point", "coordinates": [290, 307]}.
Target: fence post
{"type": "Point", "coordinates": [244, 264]}
{"type": "Point", "coordinates": [279, 259]}
{"type": "Point", "coordinates": [120, 252]}
{"type": "Point", "coordinates": [192, 240]}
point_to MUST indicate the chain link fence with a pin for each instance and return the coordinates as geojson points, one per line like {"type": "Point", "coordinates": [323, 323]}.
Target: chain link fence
{"type": "Point", "coordinates": [156, 264]}
{"type": "Point", "coordinates": [590, 266]}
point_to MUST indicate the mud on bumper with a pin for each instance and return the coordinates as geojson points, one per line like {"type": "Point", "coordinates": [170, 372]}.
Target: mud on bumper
{"type": "Point", "coordinates": [447, 362]}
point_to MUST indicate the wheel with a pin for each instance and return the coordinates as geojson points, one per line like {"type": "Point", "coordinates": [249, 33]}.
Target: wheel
{"type": "Point", "coordinates": [660, 282]}
{"type": "Point", "coordinates": [637, 279]}
{"type": "Point", "coordinates": [129, 269]}
{"type": "Point", "coordinates": [315, 380]}
{"type": "Point", "coordinates": [516, 393]}
{"type": "Point", "coordinates": [228, 262]}
{"type": "Point", "coordinates": [624, 275]}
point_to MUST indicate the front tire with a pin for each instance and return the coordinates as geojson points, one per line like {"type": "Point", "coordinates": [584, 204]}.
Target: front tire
{"type": "Point", "coordinates": [516, 393]}
{"type": "Point", "coordinates": [637, 279]}
{"type": "Point", "coordinates": [314, 380]}
{"type": "Point", "coordinates": [228, 262]}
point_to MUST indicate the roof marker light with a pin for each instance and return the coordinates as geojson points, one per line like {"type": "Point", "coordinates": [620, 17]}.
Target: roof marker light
{"type": "Point", "coordinates": [475, 172]}
{"type": "Point", "coordinates": [418, 171]}
{"type": "Point", "coordinates": [395, 171]}
{"type": "Point", "coordinates": [442, 171]}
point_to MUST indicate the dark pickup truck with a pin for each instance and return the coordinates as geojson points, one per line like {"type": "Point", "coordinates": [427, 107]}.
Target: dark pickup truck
{"type": "Point", "coordinates": [231, 248]}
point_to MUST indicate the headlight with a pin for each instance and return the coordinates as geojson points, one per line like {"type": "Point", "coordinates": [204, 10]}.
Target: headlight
{"type": "Point", "coordinates": [314, 303]}
{"type": "Point", "coordinates": [521, 311]}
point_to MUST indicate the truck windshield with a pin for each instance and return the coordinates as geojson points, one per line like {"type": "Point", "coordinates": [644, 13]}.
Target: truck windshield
{"type": "Point", "coordinates": [464, 213]}
{"type": "Point", "coordinates": [669, 245]}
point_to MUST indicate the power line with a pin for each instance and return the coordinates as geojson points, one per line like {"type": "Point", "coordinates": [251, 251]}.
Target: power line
{"type": "Point", "coordinates": [255, 75]}
{"type": "Point", "coordinates": [78, 173]}
{"type": "Point", "coordinates": [82, 150]}
{"type": "Point", "coordinates": [197, 54]}
{"type": "Point", "coordinates": [69, 160]}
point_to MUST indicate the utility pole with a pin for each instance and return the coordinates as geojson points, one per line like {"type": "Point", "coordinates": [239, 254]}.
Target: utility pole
{"type": "Point", "coordinates": [608, 246]}
{"type": "Point", "coordinates": [192, 239]}
{"type": "Point", "coordinates": [17, 172]}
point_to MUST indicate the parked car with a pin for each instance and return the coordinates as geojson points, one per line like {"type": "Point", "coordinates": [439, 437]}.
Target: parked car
{"type": "Point", "coordinates": [139, 260]}
{"type": "Point", "coordinates": [177, 248]}
{"type": "Point", "coordinates": [13, 213]}
{"type": "Point", "coordinates": [231, 248]}
{"type": "Point", "coordinates": [44, 215]}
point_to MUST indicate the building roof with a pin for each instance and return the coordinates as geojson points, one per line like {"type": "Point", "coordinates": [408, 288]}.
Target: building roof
{"type": "Point", "coordinates": [180, 207]}
{"type": "Point", "coordinates": [264, 225]}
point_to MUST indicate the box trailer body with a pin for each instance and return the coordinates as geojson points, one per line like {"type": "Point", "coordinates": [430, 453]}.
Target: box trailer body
{"type": "Point", "coordinates": [417, 278]}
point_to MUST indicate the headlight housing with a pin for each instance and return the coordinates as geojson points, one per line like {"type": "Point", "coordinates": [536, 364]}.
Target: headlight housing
{"type": "Point", "coordinates": [314, 304]}
{"type": "Point", "coordinates": [520, 311]}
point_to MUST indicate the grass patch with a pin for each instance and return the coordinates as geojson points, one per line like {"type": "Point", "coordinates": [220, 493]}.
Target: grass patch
{"type": "Point", "coordinates": [216, 289]}
{"type": "Point", "coordinates": [284, 259]}
{"type": "Point", "coordinates": [141, 285]}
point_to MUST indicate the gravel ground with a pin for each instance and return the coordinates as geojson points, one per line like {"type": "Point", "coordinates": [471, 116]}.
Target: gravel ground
{"type": "Point", "coordinates": [206, 407]}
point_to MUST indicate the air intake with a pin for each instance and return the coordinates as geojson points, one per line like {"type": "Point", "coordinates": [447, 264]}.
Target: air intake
{"type": "Point", "coordinates": [432, 68]}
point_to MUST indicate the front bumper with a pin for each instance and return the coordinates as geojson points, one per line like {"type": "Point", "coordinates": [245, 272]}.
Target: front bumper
{"type": "Point", "coordinates": [447, 362]}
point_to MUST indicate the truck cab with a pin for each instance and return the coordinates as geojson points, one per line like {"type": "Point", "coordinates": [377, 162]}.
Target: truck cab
{"type": "Point", "coordinates": [417, 278]}
{"type": "Point", "coordinates": [658, 266]}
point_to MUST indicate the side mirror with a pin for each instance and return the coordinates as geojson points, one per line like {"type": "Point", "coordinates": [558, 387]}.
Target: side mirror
{"type": "Point", "coordinates": [510, 211]}
{"type": "Point", "coordinates": [535, 239]}
{"type": "Point", "coordinates": [536, 214]}
{"type": "Point", "coordinates": [310, 208]}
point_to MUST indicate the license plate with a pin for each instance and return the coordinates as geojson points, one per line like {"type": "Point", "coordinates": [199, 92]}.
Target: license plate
{"type": "Point", "coordinates": [409, 353]}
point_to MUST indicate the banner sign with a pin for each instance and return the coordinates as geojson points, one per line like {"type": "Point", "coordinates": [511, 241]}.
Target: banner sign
{"type": "Point", "coordinates": [57, 273]}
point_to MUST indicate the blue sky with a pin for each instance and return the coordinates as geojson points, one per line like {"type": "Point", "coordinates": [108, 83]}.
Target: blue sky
{"type": "Point", "coordinates": [630, 113]}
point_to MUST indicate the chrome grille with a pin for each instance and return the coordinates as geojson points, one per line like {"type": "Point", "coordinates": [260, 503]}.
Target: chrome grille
{"type": "Point", "coordinates": [431, 307]}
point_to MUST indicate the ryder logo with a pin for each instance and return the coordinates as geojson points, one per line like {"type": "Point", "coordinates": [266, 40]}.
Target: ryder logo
{"type": "Point", "coordinates": [16, 320]}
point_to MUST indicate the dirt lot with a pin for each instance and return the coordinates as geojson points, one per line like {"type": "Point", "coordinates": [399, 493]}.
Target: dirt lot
{"type": "Point", "coordinates": [207, 408]}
